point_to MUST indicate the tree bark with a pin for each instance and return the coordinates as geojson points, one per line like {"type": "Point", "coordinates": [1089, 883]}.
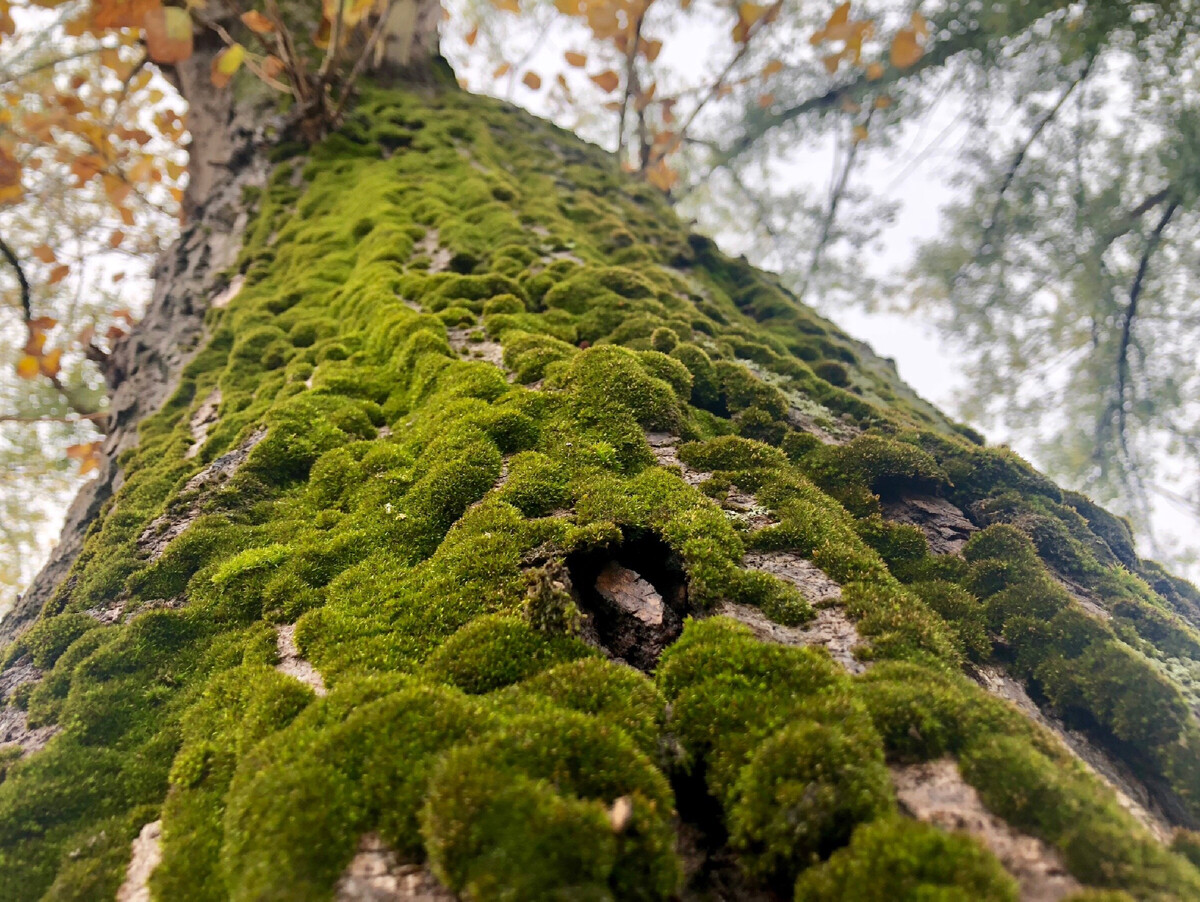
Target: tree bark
{"type": "Point", "coordinates": [499, 538]}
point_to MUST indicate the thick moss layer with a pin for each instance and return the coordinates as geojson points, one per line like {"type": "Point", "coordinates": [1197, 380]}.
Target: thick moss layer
{"type": "Point", "coordinates": [411, 509]}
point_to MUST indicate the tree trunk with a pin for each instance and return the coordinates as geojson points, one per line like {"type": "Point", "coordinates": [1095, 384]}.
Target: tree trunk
{"type": "Point", "coordinates": [505, 540]}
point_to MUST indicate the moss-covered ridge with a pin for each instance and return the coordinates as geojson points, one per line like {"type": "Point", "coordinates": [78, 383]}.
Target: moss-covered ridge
{"type": "Point", "coordinates": [412, 507]}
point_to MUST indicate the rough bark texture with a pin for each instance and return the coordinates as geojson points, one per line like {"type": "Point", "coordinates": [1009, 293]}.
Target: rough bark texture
{"type": "Point", "coordinates": [482, 426]}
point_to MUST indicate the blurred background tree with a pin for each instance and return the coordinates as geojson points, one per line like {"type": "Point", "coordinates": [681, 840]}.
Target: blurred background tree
{"type": "Point", "coordinates": [1067, 132]}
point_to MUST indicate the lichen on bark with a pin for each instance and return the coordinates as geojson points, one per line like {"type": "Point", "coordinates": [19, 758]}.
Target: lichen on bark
{"type": "Point", "coordinates": [433, 521]}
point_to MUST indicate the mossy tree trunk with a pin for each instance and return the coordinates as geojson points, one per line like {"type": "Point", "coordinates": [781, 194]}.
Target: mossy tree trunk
{"type": "Point", "coordinates": [474, 426]}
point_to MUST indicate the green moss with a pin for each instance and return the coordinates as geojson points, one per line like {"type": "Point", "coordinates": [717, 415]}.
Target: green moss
{"type": "Point", "coordinates": [895, 860]}
{"type": "Point", "coordinates": [494, 652]}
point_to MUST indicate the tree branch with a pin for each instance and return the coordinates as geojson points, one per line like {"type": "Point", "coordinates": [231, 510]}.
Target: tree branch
{"type": "Point", "coordinates": [835, 200]}
{"type": "Point", "coordinates": [11, 257]}
{"type": "Point", "coordinates": [1019, 158]}
{"type": "Point", "coordinates": [1130, 314]}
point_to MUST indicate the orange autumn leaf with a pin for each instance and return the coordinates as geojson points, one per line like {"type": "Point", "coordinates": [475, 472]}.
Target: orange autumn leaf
{"type": "Point", "coordinates": [257, 22]}
{"type": "Point", "coordinates": [662, 176]}
{"type": "Point", "coordinates": [45, 253]}
{"type": "Point", "coordinates": [766, 100]}
{"type": "Point", "coordinates": [531, 80]}
{"type": "Point", "coordinates": [578, 60]}
{"type": "Point", "coordinates": [11, 188]}
{"type": "Point", "coordinates": [651, 49]}
{"type": "Point", "coordinates": [508, 6]}
{"type": "Point", "coordinates": [607, 81]}
{"type": "Point", "coordinates": [110, 14]}
{"type": "Point", "coordinates": [875, 71]}
{"type": "Point", "coordinates": [51, 364]}
{"type": "Point", "coordinates": [501, 70]}
{"type": "Point", "coordinates": [59, 273]}
{"type": "Point", "coordinates": [168, 35]}
{"type": "Point", "coordinates": [472, 36]}
{"type": "Point", "coordinates": [115, 239]}
{"type": "Point", "coordinates": [772, 68]}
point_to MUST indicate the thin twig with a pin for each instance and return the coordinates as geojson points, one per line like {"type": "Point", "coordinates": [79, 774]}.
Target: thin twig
{"type": "Point", "coordinates": [361, 63]}
{"type": "Point", "coordinates": [1018, 159]}
{"type": "Point", "coordinates": [835, 200]}
{"type": "Point", "coordinates": [11, 257]}
{"type": "Point", "coordinates": [1131, 312]}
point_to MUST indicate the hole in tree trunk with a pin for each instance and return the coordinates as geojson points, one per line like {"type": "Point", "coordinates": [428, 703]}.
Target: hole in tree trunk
{"type": "Point", "coordinates": [635, 595]}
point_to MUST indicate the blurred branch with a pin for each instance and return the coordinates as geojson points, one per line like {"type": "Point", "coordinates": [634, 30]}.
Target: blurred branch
{"type": "Point", "coordinates": [11, 257]}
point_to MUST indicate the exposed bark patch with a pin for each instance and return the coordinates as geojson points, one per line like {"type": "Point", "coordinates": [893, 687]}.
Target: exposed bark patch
{"type": "Point", "coordinates": [429, 246]}
{"type": "Point", "coordinates": [739, 506]}
{"type": "Point", "coordinates": [1131, 793]}
{"type": "Point", "coordinates": [18, 674]}
{"type": "Point", "coordinates": [828, 430]}
{"type": "Point", "coordinates": [664, 447]}
{"type": "Point", "coordinates": [229, 292]}
{"type": "Point", "coordinates": [15, 731]}
{"type": "Point", "coordinates": [471, 344]}
{"type": "Point", "coordinates": [377, 875]}
{"type": "Point", "coordinates": [118, 612]}
{"type": "Point", "coordinates": [945, 526]}
{"type": "Point", "coordinates": [147, 853]}
{"type": "Point", "coordinates": [798, 570]}
{"type": "Point", "coordinates": [292, 663]}
{"type": "Point", "coordinates": [635, 596]}
{"type": "Point", "coordinates": [155, 538]}
{"type": "Point", "coordinates": [202, 419]}
{"type": "Point", "coordinates": [1087, 600]}
{"type": "Point", "coordinates": [14, 723]}
{"type": "Point", "coordinates": [831, 629]}
{"type": "Point", "coordinates": [935, 792]}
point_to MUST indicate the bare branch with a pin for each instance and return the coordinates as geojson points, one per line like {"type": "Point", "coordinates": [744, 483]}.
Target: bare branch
{"type": "Point", "coordinates": [1018, 159]}
{"type": "Point", "coordinates": [1130, 314]}
{"type": "Point", "coordinates": [11, 257]}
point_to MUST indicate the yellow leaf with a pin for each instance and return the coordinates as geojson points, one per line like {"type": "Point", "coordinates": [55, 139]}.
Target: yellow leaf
{"type": "Point", "coordinates": [28, 367]}
{"type": "Point", "coordinates": [882, 102]}
{"type": "Point", "coordinates": [225, 66]}
{"type": "Point", "coordinates": [472, 36]}
{"type": "Point", "coordinates": [607, 81]}
{"type": "Point", "coordinates": [508, 6]}
{"type": "Point", "coordinates": [651, 49]}
{"type": "Point", "coordinates": [257, 22]}
{"type": "Point", "coordinates": [840, 16]}
{"type": "Point", "coordinates": [875, 71]}
{"type": "Point", "coordinates": [906, 49]}
{"type": "Point", "coordinates": [501, 70]}
{"type": "Point", "coordinates": [748, 14]}
{"type": "Point", "coordinates": [860, 133]}
{"type": "Point", "coordinates": [662, 176]}
{"type": "Point", "coordinates": [531, 80]}
{"type": "Point", "coordinates": [578, 60]}
{"type": "Point", "coordinates": [168, 35]}
{"type": "Point", "coordinates": [919, 24]}
{"type": "Point", "coordinates": [51, 363]}
{"type": "Point", "coordinates": [771, 68]}
{"type": "Point", "coordinates": [567, 7]}
{"type": "Point", "coordinates": [45, 253]}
